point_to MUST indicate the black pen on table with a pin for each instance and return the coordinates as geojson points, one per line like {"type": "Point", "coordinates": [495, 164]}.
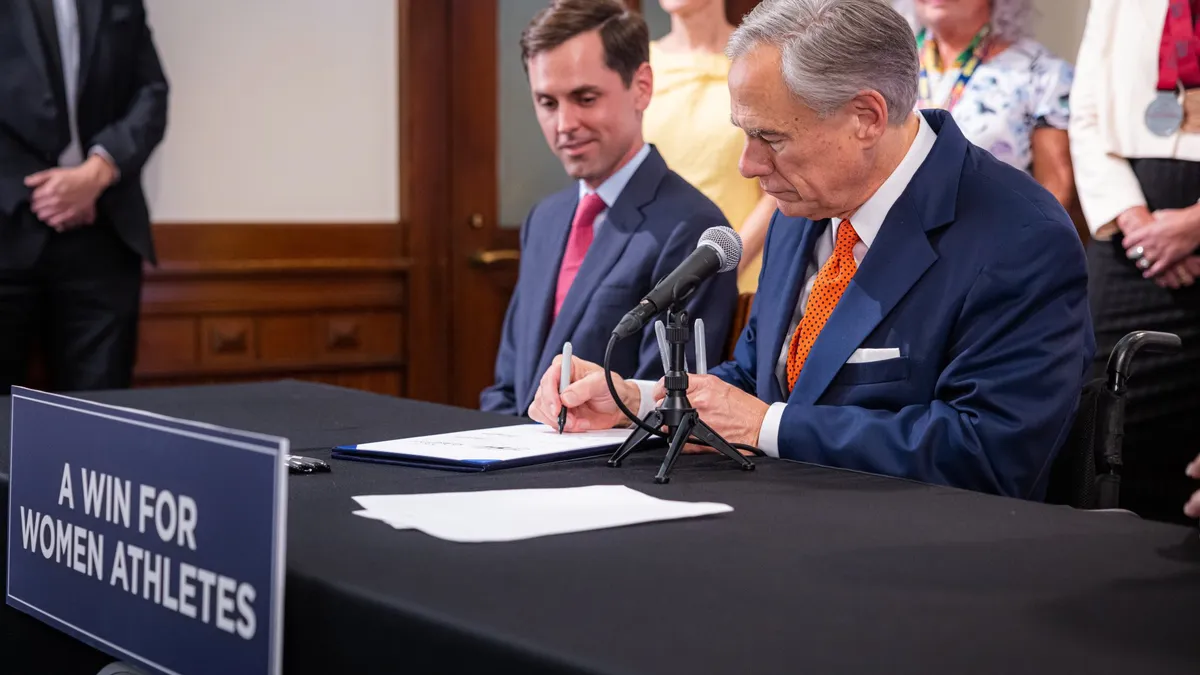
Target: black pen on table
{"type": "Point", "coordinates": [564, 381]}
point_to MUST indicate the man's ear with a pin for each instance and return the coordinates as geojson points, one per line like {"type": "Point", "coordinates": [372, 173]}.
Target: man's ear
{"type": "Point", "coordinates": [871, 112]}
{"type": "Point", "coordinates": [643, 86]}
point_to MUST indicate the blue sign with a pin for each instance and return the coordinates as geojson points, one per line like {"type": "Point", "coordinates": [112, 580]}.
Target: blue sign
{"type": "Point", "coordinates": [157, 540]}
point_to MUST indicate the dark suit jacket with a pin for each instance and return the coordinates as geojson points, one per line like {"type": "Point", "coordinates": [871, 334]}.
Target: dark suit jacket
{"type": "Point", "coordinates": [978, 277]}
{"type": "Point", "coordinates": [652, 227]}
{"type": "Point", "coordinates": [122, 106]}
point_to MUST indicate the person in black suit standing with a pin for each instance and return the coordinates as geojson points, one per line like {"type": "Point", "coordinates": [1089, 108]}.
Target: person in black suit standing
{"type": "Point", "coordinates": [84, 104]}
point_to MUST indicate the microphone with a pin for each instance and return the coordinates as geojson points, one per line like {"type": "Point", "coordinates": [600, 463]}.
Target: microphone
{"type": "Point", "coordinates": [719, 250]}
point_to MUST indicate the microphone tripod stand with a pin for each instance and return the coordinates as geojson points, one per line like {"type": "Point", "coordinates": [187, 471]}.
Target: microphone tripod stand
{"type": "Point", "coordinates": [676, 412]}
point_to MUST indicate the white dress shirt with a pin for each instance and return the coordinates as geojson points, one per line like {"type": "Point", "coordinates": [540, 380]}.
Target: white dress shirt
{"type": "Point", "coordinates": [611, 188]}
{"type": "Point", "coordinates": [66, 18]}
{"type": "Point", "coordinates": [867, 221]}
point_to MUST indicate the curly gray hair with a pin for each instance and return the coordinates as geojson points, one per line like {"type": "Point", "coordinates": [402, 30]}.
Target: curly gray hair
{"type": "Point", "coordinates": [1011, 19]}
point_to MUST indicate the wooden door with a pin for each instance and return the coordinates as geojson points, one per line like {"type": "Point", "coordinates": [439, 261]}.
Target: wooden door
{"type": "Point", "coordinates": [736, 9]}
{"type": "Point", "coordinates": [484, 253]}
{"type": "Point", "coordinates": [472, 164]}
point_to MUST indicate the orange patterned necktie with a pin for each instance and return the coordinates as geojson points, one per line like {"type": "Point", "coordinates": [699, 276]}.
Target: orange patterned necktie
{"type": "Point", "coordinates": [831, 282]}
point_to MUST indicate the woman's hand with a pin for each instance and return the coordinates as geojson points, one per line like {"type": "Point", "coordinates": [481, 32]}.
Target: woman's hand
{"type": "Point", "coordinates": [1133, 219]}
{"type": "Point", "coordinates": [1192, 508]}
{"type": "Point", "coordinates": [1181, 275]}
{"type": "Point", "coordinates": [1173, 235]}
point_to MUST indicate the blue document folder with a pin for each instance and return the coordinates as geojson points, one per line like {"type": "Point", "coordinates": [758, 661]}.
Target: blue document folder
{"type": "Point", "coordinates": [487, 449]}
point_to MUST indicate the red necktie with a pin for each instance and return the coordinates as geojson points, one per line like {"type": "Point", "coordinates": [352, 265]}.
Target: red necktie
{"type": "Point", "coordinates": [577, 245]}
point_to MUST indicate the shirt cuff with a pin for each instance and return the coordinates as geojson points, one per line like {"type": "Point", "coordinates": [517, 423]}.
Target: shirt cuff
{"type": "Point", "coordinates": [99, 150]}
{"type": "Point", "coordinates": [648, 403]}
{"type": "Point", "coordinates": [768, 433]}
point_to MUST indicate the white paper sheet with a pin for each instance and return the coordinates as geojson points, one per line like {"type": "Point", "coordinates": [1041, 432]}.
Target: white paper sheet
{"type": "Point", "coordinates": [500, 444]}
{"type": "Point", "coordinates": [511, 515]}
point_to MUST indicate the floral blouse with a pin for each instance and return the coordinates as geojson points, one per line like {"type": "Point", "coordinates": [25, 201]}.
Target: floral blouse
{"type": "Point", "coordinates": [1023, 88]}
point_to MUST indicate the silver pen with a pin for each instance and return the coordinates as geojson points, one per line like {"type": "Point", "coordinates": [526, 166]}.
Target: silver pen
{"type": "Point", "coordinates": [564, 381]}
{"type": "Point", "coordinates": [701, 350]}
{"type": "Point", "coordinates": [660, 331]}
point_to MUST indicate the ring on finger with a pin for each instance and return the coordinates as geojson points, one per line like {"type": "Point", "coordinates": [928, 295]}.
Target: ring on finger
{"type": "Point", "coordinates": [1143, 263]}
{"type": "Point", "coordinates": [1136, 253]}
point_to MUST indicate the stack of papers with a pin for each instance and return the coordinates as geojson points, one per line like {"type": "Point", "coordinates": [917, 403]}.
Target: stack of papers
{"type": "Point", "coordinates": [511, 515]}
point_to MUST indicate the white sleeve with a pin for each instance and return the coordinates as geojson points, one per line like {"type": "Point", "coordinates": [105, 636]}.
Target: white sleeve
{"type": "Point", "coordinates": [1106, 183]}
{"type": "Point", "coordinates": [768, 434]}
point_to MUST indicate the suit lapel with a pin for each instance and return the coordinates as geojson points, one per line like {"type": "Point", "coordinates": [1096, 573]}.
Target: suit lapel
{"type": "Point", "coordinates": [896, 260]}
{"type": "Point", "coordinates": [606, 248]}
{"type": "Point", "coordinates": [623, 219]}
{"type": "Point", "coordinates": [899, 256]}
{"type": "Point", "coordinates": [779, 319]}
{"type": "Point", "coordinates": [90, 12]}
{"type": "Point", "coordinates": [544, 282]}
{"type": "Point", "coordinates": [29, 26]}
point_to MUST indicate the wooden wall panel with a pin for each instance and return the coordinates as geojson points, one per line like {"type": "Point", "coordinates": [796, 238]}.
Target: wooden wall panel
{"type": "Point", "coordinates": [238, 302]}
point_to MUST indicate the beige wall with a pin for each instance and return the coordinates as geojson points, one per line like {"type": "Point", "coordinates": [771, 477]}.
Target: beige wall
{"type": "Point", "coordinates": [281, 110]}
{"type": "Point", "coordinates": [1059, 25]}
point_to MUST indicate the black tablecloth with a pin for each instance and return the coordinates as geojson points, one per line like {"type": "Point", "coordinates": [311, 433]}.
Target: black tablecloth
{"type": "Point", "coordinates": [815, 570]}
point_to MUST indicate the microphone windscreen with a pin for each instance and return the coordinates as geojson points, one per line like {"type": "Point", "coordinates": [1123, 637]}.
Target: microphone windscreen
{"type": "Point", "coordinates": [726, 243]}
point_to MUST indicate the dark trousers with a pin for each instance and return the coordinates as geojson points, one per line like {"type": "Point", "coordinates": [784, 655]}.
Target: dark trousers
{"type": "Point", "coordinates": [77, 306]}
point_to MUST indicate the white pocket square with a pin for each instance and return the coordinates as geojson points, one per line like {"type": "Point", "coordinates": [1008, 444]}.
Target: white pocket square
{"type": "Point", "coordinates": [873, 355]}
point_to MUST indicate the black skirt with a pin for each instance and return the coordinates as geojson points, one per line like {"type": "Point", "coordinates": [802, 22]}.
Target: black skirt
{"type": "Point", "coordinates": [1162, 423]}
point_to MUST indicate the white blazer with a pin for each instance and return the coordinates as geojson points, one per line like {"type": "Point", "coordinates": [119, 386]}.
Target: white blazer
{"type": "Point", "coordinates": [1116, 78]}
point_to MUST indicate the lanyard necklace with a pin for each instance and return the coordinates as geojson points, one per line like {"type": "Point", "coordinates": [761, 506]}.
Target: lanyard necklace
{"type": "Point", "coordinates": [975, 53]}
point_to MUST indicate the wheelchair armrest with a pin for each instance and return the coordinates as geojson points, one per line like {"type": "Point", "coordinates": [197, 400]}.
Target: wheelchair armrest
{"type": "Point", "coordinates": [1121, 359]}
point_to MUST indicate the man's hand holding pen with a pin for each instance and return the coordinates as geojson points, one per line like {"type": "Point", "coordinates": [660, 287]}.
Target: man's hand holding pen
{"type": "Point", "coordinates": [587, 399]}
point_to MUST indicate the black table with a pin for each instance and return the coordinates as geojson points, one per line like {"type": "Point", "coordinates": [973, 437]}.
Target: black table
{"type": "Point", "coordinates": [815, 571]}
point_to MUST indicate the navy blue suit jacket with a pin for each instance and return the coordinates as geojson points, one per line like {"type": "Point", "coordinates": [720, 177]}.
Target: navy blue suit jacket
{"type": "Point", "coordinates": [978, 277]}
{"type": "Point", "coordinates": [652, 227]}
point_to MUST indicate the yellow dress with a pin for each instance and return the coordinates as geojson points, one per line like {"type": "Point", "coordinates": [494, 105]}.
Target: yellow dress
{"type": "Point", "coordinates": [688, 121]}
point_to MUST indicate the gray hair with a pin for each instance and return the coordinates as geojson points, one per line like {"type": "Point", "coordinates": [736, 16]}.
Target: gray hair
{"type": "Point", "coordinates": [833, 50]}
{"type": "Point", "coordinates": [1011, 19]}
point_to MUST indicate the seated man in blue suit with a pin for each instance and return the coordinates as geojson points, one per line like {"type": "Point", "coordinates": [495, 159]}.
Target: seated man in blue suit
{"type": "Point", "coordinates": [922, 307]}
{"type": "Point", "coordinates": [591, 252]}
